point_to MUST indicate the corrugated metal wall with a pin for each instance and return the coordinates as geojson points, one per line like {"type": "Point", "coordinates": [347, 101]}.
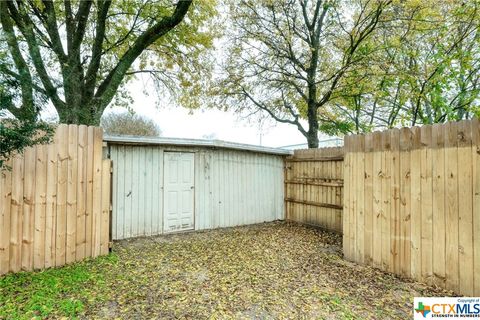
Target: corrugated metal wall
{"type": "Point", "coordinates": [231, 188]}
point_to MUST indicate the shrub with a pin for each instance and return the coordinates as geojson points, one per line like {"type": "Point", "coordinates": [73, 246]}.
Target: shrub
{"type": "Point", "coordinates": [128, 123]}
{"type": "Point", "coordinates": [16, 135]}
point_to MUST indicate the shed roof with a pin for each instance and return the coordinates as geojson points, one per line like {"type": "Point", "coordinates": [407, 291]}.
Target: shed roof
{"type": "Point", "coordinates": [135, 140]}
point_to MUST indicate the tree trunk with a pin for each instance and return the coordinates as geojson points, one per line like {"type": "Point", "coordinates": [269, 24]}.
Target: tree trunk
{"type": "Point", "coordinates": [89, 115]}
{"type": "Point", "coordinates": [84, 101]}
{"type": "Point", "coordinates": [312, 134]}
{"type": "Point", "coordinates": [312, 139]}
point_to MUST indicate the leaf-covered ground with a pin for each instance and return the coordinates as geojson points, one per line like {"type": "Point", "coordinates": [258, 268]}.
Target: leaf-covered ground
{"type": "Point", "coordinates": [268, 271]}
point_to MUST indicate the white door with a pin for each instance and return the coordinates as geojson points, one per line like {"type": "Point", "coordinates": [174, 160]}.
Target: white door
{"type": "Point", "coordinates": [178, 197]}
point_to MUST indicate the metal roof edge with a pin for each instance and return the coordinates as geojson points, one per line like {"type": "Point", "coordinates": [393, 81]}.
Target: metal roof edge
{"type": "Point", "coordinates": [194, 143]}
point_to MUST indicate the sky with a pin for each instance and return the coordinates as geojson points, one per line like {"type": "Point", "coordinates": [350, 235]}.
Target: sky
{"type": "Point", "coordinates": [178, 122]}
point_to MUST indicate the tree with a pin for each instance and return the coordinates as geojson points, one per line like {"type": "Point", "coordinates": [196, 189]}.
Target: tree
{"type": "Point", "coordinates": [79, 54]}
{"type": "Point", "coordinates": [128, 123]}
{"type": "Point", "coordinates": [17, 134]}
{"type": "Point", "coordinates": [438, 64]}
{"type": "Point", "coordinates": [427, 71]}
{"type": "Point", "coordinates": [289, 58]}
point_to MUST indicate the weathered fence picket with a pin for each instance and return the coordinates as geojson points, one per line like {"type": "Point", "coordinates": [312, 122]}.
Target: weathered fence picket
{"type": "Point", "coordinates": [412, 203]}
{"type": "Point", "coordinates": [55, 202]}
{"type": "Point", "coordinates": [314, 187]}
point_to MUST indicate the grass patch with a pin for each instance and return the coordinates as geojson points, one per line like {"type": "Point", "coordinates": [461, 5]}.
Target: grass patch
{"type": "Point", "coordinates": [53, 292]}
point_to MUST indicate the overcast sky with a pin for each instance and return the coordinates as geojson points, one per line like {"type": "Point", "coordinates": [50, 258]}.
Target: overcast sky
{"type": "Point", "coordinates": [180, 122]}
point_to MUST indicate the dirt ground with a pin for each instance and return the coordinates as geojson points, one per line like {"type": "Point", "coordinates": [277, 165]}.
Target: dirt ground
{"type": "Point", "coordinates": [268, 271]}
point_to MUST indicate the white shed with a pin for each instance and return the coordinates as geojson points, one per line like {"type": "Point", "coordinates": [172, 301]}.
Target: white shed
{"type": "Point", "coordinates": [163, 185]}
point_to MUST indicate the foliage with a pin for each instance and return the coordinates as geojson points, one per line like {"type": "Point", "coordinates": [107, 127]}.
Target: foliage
{"type": "Point", "coordinates": [16, 135]}
{"type": "Point", "coordinates": [426, 68]}
{"type": "Point", "coordinates": [181, 63]}
{"type": "Point", "coordinates": [275, 270]}
{"type": "Point", "coordinates": [375, 64]}
{"type": "Point", "coordinates": [127, 123]}
{"type": "Point", "coordinates": [289, 58]}
{"type": "Point", "coordinates": [81, 54]}
{"type": "Point", "coordinates": [21, 129]}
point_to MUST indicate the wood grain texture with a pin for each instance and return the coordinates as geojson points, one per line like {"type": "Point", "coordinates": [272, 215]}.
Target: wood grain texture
{"type": "Point", "coordinates": [423, 183]}
{"type": "Point", "coordinates": [82, 157]}
{"type": "Point", "coordinates": [377, 199]}
{"type": "Point", "coordinates": [16, 217]}
{"type": "Point", "coordinates": [61, 139]}
{"type": "Point", "coordinates": [368, 200]}
{"type": "Point", "coordinates": [395, 169]}
{"type": "Point", "coordinates": [106, 202]}
{"type": "Point", "coordinates": [28, 208]}
{"type": "Point", "coordinates": [51, 206]}
{"type": "Point", "coordinates": [72, 186]}
{"type": "Point", "coordinates": [405, 201]}
{"type": "Point", "coordinates": [465, 208]}
{"type": "Point", "coordinates": [97, 192]}
{"type": "Point", "coordinates": [44, 202]}
{"type": "Point", "coordinates": [427, 206]}
{"type": "Point", "coordinates": [314, 188]}
{"type": "Point", "coordinates": [451, 207]}
{"type": "Point", "coordinates": [416, 205]}
{"type": "Point", "coordinates": [40, 206]}
{"type": "Point", "coordinates": [438, 167]}
{"type": "Point", "coordinates": [476, 204]}
{"type": "Point", "coordinates": [386, 200]}
{"type": "Point", "coordinates": [346, 202]}
{"type": "Point", "coordinates": [5, 216]}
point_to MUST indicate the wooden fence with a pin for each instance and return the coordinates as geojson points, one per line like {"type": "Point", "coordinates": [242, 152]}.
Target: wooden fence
{"type": "Point", "coordinates": [313, 187]}
{"type": "Point", "coordinates": [55, 202]}
{"type": "Point", "coordinates": [412, 203]}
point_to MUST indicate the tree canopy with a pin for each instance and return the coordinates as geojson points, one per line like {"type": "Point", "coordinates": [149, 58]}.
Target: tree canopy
{"type": "Point", "coordinates": [427, 70]}
{"type": "Point", "coordinates": [288, 58]}
{"type": "Point", "coordinates": [78, 55]}
{"type": "Point", "coordinates": [319, 65]}
{"type": "Point", "coordinates": [16, 134]}
{"type": "Point", "coordinates": [351, 66]}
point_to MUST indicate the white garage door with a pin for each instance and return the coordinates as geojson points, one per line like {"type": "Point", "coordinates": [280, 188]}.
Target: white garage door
{"type": "Point", "coordinates": [178, 191]}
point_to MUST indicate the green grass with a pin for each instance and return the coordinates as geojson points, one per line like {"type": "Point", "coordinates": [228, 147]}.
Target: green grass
{"type": "Point", "coordinates": [53, 292]}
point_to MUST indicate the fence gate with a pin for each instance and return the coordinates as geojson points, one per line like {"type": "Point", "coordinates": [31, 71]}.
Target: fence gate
{"type": "Point", "coordinates": [314, 187]}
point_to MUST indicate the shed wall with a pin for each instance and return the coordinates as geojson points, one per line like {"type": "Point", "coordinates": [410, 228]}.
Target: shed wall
{"type": "Point", "coordinates": [231, 188]}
